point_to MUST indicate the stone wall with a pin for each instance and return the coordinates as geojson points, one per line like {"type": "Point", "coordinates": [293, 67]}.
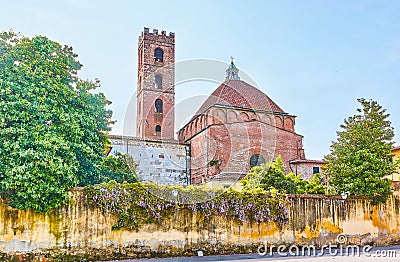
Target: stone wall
{"type": "Point", "coordinates": [81, 231]}
{"type": "Point", "coordinates": [162, 162]}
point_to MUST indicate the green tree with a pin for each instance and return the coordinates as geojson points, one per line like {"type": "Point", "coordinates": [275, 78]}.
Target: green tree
{"type": "Point", "coordinates": [119, 167]}
{"type": "Point", "coordinates": [360, 158]}
{"type": "Point", "coordinates": [314, 186]}
{"type": "Point", "coordinates": [269, 176]}
{"type": "Point", "coordinates": [53, 128]}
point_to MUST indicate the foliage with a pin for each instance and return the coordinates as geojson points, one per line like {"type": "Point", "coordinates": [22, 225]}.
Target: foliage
{"type": "Point", "coordinates": [213, 162]}
{"type": "Point", "coordinates": [52, 128]}
{"type": "Point", "coordinates": [136, 205]}
{"type": "Point", "coordinates": [119, 167]}
{"type": "Point", "coordinates": [314, 186]}
{"type": "Point", "coordinates": [360, 158]}
{"type": "Point", "coordinates": [270, 176]}
{"type": "Point", "coordinates": [396, 164]}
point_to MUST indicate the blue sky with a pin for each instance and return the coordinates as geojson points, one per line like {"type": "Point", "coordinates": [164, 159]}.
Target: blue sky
{"type": "Point", "coordinates": [313, 58]}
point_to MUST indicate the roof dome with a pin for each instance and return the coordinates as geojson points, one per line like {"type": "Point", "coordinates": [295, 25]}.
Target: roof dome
{"type": "Point", "coordinates": [237, 93]}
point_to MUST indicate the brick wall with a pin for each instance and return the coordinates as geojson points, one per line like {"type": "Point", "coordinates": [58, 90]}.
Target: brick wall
{"type": "Point", "coordinates": [231, 136]}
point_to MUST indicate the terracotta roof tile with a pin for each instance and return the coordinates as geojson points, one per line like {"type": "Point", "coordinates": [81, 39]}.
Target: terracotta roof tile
{"type": "Point", "coordinates": [307, 161]}
{"type": "Point", "coordinates": [238, 93]}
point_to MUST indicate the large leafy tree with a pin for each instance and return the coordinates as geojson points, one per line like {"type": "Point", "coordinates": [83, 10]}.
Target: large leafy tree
{"type": "Point", "coordinates": [52, 126]}
{"type": "Point", "coordinates": [120, 168]}
{"type": "Point", "coordinates": [361, 156]}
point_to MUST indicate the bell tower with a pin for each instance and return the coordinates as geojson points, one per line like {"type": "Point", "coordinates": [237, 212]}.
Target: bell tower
{"type": "Point", "coordinates": [156, 85]}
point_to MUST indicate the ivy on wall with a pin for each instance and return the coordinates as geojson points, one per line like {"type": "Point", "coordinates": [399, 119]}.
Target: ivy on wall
{"type": "Point", "coordinates": [137, 204]}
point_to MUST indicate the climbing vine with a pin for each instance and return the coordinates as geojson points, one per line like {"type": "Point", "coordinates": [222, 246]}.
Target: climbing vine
{"type": "Point", "coordinates": [135, 204]}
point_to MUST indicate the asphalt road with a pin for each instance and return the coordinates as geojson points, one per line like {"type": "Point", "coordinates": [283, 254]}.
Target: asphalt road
{"type": "Point", "coordinates": [391, 253]}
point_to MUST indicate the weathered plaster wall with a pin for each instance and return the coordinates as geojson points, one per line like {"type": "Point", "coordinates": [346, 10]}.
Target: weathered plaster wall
{"type": "Point", "coordinates": [79, 230]}
{"type": "Point", "coordinates": [396, 156]}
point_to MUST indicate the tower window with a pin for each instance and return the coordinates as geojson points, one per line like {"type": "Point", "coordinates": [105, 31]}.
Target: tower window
{"type": "Point", "coordinates": [315, 169]}
{"type": "Point", "coordinates": [256, 160]}
{"type": "Point", "coordinates": [158, 55]}
{"type": "Point", "coordinates": [158, 128]}
{"type": "Point", "coordinates": [159, 106]}
{"type": "Point", "coordinates": [158, 82]}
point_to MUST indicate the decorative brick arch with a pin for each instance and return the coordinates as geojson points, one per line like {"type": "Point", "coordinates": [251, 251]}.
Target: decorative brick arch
{"type": "Point", "coordinates": [191, 128]}
{"type": "Point", "coordinates": [232, 116]}
{"type": "Point", "coordinates": [289, 124]}
{"type": "Point", "coordinates": [278, 121]}
{"type": "Point", "coordinates": [186, 132]}
{"type": "Point", "coordinates": [218, 116]}
{"type": "Point", "coordinates": [252, 116]}
{"type": "Point", "coordinates": [202, 124]}
{"type": "Point", "coordinates": [196, 125]}
{"type": "Point", "coordinates": [267, 119]}
{"type": "Point", "coordinates": [245, 117]}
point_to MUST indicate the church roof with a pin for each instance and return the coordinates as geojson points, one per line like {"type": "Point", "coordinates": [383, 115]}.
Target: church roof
{"type": "Point", "coordinates": [237, 93]}
{"type": "Point", "coordinates": [307, 161]}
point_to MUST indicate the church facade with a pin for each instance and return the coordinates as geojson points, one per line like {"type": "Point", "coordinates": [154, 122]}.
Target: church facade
{"type": "Point", "coordinates": [236, 128]}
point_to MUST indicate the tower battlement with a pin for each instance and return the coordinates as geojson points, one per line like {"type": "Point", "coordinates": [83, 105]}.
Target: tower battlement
{"type": "Point", "coordinates": [155, 32]}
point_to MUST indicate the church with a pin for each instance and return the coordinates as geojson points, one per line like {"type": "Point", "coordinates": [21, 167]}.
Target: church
{"type": "Point", "coordinates": [237, 127]}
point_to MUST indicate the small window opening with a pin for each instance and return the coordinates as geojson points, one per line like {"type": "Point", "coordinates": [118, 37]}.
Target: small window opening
{"type": "Point", "coordinates": [158, 106]}
{"type": "Point", "coordinates": [158, 55]}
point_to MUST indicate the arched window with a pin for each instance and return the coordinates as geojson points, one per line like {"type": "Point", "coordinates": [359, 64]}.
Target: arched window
{"type": "Point", "coordinates": [159, 106]}
{"type": "Point", "coordinates": [158, 128]}
{"type": "Point", "coordinates": [158, 82]}
{"type": "Point", "coordinates": [158, 55]}
{"type": "Point", "coordinates": [256, 160]}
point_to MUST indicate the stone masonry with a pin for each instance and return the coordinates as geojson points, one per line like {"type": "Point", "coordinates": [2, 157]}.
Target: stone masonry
{"type": "Point", "coordinates": [162, 162]}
